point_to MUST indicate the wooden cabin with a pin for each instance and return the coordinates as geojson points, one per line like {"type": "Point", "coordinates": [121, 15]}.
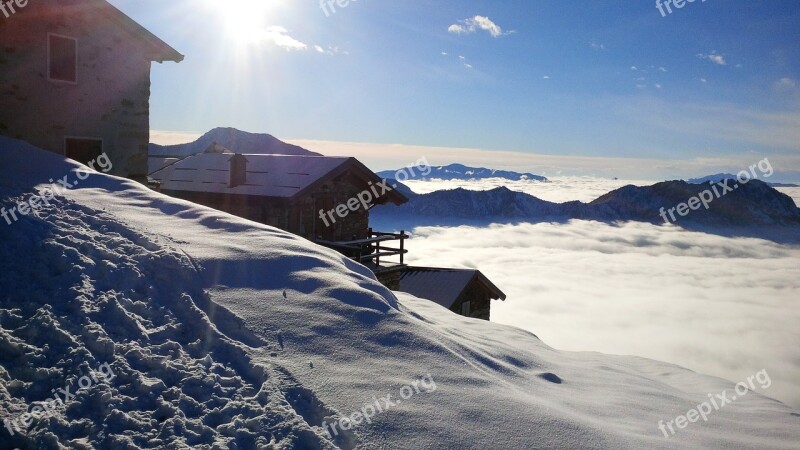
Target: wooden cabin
{"type": "Point", "coordinates": [464, 291]}
{"type": "Point", "coordinates": [304, 195]}
{"type": "Point", "coordinates": [76, 81]}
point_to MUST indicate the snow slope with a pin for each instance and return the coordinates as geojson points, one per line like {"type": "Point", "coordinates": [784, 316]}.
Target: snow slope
{"type": "Point", "coordinates": [224, 333]}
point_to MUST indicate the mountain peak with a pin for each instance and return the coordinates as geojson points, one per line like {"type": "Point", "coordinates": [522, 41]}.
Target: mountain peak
{"type": "Point", "coordinates": [458, 171]}
{"type": "Point", "coordinates": [236, 141]}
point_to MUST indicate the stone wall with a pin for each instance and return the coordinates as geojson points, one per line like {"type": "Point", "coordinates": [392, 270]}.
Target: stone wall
{"type": "Point", "coordinates": [480, 303]}
{"type": "Point", "coordinates": [110, 100]}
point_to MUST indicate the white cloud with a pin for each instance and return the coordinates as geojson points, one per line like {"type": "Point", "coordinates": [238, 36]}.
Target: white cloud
{"type": "Point", "coordinates": [658, 86]}
{"type": "Point", "coordinates": [279, 37]}
{"type": "Point", "coordinates": [597, 46]}
{"type": "Point", "coordinates": [785, 84]}
{"type": "Point", "coordinates": [703, 80]}
{"type": "Point", "coordinates": [717, 59]}
{"type": "Point", "coordinates": [468, 26]}
{"type": "Point", "coordinates": [713, 57]}
{"type": "Point", "coordinates": [716, 305]}
{"type": "Point", "coordinates": [464, 62]}
{"type": "Point", "coordinates": [634, 68]}
{"type": "Point", "coordinates": [444, 53]}
{"type": "Point", "coordinates": [546, 77]}
{"type": "Point", "coordinates": [330, 50]}
{"type": "Point", "coordinates": [458, 29]}
{"type": "Point", "coordinates": [662, 69]}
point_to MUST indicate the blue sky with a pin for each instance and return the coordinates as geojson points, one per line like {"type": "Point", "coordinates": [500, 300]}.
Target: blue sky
{"type": "Point", "coordinates": [714, 81]}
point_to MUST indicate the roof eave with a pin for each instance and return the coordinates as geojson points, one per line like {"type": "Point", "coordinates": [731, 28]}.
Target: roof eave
{"type": "Point", "coordinates": [498, 294]}
{"type": "Point", "coordinates": [161, 50]}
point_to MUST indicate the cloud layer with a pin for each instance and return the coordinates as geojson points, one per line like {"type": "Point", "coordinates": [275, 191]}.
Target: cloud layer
{"type": "Point", "coordinates": [722, 306]}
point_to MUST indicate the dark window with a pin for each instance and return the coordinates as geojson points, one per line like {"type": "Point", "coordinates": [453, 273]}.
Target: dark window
{"type": "Point", "coordinates": [62, 58]}
{"type": "Point", "coordinates": [83, 150]}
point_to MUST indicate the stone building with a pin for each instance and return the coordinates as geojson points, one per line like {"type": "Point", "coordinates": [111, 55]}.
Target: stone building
{"type": "Point", "coordinates": [75, 80]}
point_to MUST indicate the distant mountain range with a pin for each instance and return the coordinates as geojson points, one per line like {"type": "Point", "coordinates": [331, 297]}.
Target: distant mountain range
{"type": "Point", "coordinates": [232, 139]}
{"type": "Point", "coordinates": [752, 205]}
{"type": "Point", "coordinates": [462, 172]}
{"type": "Point", "coordinates": [729, 176]}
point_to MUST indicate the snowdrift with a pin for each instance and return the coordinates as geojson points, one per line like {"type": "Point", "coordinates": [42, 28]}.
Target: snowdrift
{"type": "Point", "coordinates": [197, 329]}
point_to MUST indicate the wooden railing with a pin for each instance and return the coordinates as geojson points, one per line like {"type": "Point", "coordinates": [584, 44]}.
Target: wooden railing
{"type": "Point", "coordinates": [372, 248]}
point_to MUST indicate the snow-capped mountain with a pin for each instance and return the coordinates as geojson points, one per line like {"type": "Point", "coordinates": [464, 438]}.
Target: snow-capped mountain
{"type": "Point", "coordinates": [212, 331]}
{"type": "Point", "coordinates": [728, 176]}
{"type": "Point", "coordinates": [748, 205]}
{"type": "Point", "coordinates": [462, 172]}
{"type": "Point", "coordinates": [711, 178]}
{"type": "Point", "coordinates": [234, 140]}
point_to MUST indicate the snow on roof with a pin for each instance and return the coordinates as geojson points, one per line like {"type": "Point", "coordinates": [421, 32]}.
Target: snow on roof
{"type": "Point", "coordinates": [267, 175]}
{"type": "Point", "coordinates": [443, 286]}
{"type": "Point", "coordinates": [155, 163]}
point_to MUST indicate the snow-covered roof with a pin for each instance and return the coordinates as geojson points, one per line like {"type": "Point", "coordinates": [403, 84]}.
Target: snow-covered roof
{"type": "Point", "coordinates": [155, 163]}
{"type": "Point", "coordinates": [443, 286]}
{"type": "Point", "coordinates": [267, 175]}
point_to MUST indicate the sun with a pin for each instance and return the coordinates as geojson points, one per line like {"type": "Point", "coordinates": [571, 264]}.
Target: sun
{"type": "Point", "coordinates": [245, 21]}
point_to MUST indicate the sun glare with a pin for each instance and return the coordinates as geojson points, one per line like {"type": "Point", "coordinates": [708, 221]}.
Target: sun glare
{"type": "Point", "coordinates": [245, 21]}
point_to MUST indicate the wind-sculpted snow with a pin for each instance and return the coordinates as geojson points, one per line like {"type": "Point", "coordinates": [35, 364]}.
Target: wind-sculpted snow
{"type": "Point", "coordinates": [90, 292]}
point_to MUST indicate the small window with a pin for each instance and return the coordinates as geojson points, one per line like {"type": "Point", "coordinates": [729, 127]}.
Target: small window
{"type": "Point", "coordinates": [83, 150]}
{"type": "Point", "coordinates": [465, 309]}
{"type": "Point", "coordinates": [62, 58]}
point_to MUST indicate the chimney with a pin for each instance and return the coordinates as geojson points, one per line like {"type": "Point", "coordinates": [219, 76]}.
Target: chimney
{"type": "Point", "coordinates": [238, 170]}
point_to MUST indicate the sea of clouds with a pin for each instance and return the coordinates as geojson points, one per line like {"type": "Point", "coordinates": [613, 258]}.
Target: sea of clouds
{"type": "Point", "coordinates": [723, 306]}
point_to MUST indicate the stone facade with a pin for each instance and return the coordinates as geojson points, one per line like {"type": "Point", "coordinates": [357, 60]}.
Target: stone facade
{"type": "Point", "coordinates": [110, 99]}
{"type": "Point", "coordinates": [480, 303]}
